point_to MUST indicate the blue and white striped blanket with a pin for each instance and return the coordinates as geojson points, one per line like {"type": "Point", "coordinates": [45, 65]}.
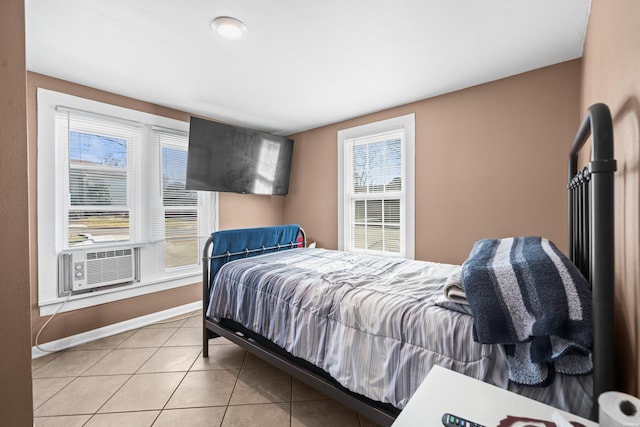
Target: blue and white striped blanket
{"type": "Point", "coordinates": [526, 294]}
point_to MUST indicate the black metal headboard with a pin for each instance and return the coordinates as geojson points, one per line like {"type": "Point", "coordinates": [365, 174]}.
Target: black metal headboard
{"type": "Point", "coordinates": [591, 235]}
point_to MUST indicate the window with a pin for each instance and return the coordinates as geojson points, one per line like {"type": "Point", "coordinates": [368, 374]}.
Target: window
{"type": "Point", "coordinates": [376, 187]}
{"type": "Point", "coordinates": [111, 177]}
{"type": "Point", "coordinates": [98, 153]}
{"type": "Point", "coordinates": [181, 208]}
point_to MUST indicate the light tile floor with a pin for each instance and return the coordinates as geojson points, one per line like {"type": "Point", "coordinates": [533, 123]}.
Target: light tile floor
{"type": "Point", "coordinates": [156, 376]}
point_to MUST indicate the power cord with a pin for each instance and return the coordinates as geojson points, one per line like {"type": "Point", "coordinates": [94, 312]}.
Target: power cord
{"type": "Point", "coordinates": [47, 322]}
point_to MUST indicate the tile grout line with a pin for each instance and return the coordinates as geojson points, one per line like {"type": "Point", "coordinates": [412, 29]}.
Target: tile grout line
{"type": "Point", "coordinates": [157, 348]}
{"type": "Point", "coordinates": [54, 394]}
{"type": "Point", "coordinates": [164, 406]}
{"type": "Point", "coordinates": [79, 375]}
{"type": "Point", "coordinates": [75, 377]}
{"type": "Point", "coordinates": [291, 404]}
{"type": "Point", "coordinates": [136, 372]}
{"type": "Point", "coordinates": [226, 408]}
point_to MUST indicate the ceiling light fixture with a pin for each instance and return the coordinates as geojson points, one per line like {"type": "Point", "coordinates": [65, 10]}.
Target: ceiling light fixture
{"type": "Point", "coordinates": [229, 28]}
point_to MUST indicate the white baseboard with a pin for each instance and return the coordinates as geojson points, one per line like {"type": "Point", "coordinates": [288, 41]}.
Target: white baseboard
{"type": "Point", "coordinates": [116, 328]}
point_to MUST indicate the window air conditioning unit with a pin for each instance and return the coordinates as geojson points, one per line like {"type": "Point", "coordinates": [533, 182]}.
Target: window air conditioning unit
{"type": "Point", "coordinates": [81, 270]}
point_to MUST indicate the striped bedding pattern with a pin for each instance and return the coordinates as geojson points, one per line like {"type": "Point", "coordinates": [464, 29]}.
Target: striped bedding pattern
{"type": "Point", "coordinates": [527, 295]}
{"type": "Point", "coordinates": [371, 322]}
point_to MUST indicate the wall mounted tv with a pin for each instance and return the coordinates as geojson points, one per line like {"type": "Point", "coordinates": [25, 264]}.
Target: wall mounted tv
{"type": "Point", "coordinates": [235, 159]}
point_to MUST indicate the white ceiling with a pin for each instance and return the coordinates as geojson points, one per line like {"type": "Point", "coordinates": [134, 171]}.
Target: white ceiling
{"type": "Point", "coordinates": [304, 63]}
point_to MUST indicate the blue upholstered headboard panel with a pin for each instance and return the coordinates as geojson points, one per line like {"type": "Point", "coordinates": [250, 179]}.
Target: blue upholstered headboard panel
{"type": "Point", "coordinates": [229, 245]}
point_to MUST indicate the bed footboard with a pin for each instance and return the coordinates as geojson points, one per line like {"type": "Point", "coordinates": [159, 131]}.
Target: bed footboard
{"type": "Point", "coordinates": [591, 235]}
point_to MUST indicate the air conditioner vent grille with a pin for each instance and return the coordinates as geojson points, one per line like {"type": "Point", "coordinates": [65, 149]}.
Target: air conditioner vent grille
{"type": "Point", "coordinates": [107, 266]}
{"type": "Point", "coordinates": [82, 270]}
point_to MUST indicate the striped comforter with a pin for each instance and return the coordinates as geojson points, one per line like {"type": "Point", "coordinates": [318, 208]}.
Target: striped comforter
{"type": "Point", "coordinates": [371, 322]}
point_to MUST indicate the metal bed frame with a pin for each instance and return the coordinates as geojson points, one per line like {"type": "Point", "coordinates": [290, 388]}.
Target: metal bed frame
{"type": "Point", "coordinates": [591, 249]}
{"type": "Point", "coordinates": [591, 235]}
{"type": "Point", "coordinates": [384, 414]}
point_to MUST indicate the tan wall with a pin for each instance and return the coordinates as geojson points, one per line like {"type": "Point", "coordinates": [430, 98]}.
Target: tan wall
{"type": "Point", "coordinates": [490, 162]}
{"type": "Point", "coordinates": [15, 359]}
{"type": "Point", "coordinates": [611, 72]}
{"type": "Point", "coordinates": [234, 211]}
{"type": "Point", "coordinates": [247, 210]}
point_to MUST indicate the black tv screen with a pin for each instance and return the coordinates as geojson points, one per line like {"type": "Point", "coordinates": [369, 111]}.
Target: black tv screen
{"type": "Point", "coordinates": [235, 159]}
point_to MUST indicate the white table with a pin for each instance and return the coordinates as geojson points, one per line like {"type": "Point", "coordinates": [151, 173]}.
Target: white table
{"type": "Point", "coordinates": [446, 391]}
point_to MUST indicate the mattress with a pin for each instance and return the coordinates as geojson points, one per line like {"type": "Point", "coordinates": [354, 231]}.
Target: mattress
{"type": "Point", "coordinates": [371, 322]}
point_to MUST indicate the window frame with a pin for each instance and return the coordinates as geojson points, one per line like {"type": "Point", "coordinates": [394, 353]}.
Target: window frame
{"type": "Point", "coordinates": [131, 132]}
{"type": "Point", "coordinates": [198, 207]}
{"type": "Point", "coordinates": [406, 123]}
{"type": "Point", "coordinates": [51, 185]}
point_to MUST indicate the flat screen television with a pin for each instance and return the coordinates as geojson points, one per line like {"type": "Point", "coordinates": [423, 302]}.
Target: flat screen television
{"type": "Point", "coordinates": [235, 159]}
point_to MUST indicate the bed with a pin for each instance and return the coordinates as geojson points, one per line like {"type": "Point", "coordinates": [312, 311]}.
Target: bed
{"type": "Point", "coordinates": [366, 329]}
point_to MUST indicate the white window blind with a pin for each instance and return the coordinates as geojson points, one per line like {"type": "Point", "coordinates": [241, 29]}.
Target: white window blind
{"type": "Point", "coordinates": [375, 192]}
{"type": "Point", "coordinates": [99, 158]}
{"type": "Point", "coordinates": [376, 177]}
{"type": "Point", "coordinates": [178, 221]}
